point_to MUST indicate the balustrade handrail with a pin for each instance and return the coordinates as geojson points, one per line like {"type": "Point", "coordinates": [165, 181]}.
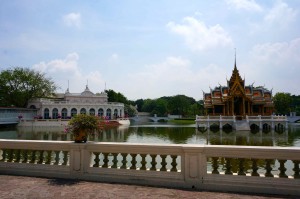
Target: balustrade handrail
{"type": "Point", "coordinates": [82, 161]}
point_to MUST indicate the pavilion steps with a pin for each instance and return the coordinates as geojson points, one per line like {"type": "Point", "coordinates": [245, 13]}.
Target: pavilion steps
{"type": "Point", "coordinates": [242, 125]}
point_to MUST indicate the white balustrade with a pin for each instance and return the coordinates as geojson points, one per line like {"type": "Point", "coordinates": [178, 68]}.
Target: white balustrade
{"type": "Point", "coordinates": [271, 170]}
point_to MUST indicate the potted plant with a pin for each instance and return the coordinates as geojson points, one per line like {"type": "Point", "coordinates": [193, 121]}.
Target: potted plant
{"type": "Point", "coordinates": [83, 125]}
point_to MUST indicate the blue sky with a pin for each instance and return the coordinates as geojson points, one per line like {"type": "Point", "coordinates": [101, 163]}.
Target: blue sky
{"type": "Point", "coordinates": [150, 48]}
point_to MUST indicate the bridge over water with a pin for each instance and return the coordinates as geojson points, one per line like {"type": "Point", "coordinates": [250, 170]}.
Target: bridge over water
{"type": "Point", "coordinates": [293, 119]}
{"type": "Point", "coordinates": [11, 116]}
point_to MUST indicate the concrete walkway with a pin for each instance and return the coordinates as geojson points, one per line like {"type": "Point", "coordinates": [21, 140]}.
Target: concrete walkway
{"type": "Point", "coordinates": [12, 187]}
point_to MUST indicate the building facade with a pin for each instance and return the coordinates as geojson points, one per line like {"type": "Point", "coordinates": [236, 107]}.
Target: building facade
{"type": "Point", "coordinates": [65, 105]}
{"type": "Point", "coordinates": [238, 99]}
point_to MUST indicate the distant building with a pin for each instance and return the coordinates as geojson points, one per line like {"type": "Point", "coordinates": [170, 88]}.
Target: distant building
{"type": "Point", "coordinates": [238, 99]}
{"type": "Point", "coordinates": [66, 105]}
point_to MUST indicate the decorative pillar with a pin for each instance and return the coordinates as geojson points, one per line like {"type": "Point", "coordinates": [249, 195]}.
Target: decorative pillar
{"type": "Point", "coordinates": [243, 107]}
{"type": "Point", "coordinates": [232, 107]}
{"type": "Point", "coordinates": [227, 108]}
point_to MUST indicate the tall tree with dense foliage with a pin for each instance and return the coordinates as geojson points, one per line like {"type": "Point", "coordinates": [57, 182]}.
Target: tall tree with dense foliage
{"type": "Point", "coordinates": [116, 97]}
{"type": "Point", "coordinates": [19, 85]}
{"type": "Point", "coordinates": [282, 102]}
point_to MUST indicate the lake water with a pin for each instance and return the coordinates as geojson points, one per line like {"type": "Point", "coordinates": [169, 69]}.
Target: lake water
{"type": "Point", "coordinates": [164, 133]}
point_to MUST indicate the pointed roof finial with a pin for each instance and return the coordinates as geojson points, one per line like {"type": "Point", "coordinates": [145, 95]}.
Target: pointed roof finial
{"type": "Point", "coordinates": [235, 58]}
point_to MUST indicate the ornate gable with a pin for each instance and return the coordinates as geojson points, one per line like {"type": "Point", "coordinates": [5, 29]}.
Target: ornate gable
{"type": "Point", "coordinates": [236, 84]}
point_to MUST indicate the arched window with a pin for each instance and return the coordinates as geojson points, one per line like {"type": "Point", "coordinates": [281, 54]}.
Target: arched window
{"type": "Point", "coordinates": [121, 114]}
{"type": "Point", "coordinates": [100, 112]}
{"type": "Point", "coordinates": [46, 113]}
{"type": "Point", "coordinates": [92, 111]}
{"type": "Point", "coordinates": [73, 112]}
{"type": "Point", "coordinates": [115, 113]}
{"type": "Point", "coordinates": [108, 113]}
{"type": "Point", "coordinates": [64, 113]}
{"type": "Point", "coordinates": [82, 111]}
{"type": "Point", "coordinates": [55, 113]}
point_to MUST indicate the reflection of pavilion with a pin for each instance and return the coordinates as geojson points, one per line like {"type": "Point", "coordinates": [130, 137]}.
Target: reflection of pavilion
{"type": "Point", "coordinates": [247, 138]}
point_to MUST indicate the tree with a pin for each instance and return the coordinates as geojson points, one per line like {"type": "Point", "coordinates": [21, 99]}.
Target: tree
{"type": "Point", "coordinates": [19, 85]}
{"type": "Point", "coordinates": [116, 97]}
{"type": "Point", "coordinates": [282, 103]}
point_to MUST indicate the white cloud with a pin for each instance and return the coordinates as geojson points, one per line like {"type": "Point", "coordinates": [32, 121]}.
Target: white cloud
{"type": "Point", "coordinates": [280, 14]}
{"type": "Point", "coordinates": [250, 5]}
{"type": "Point", "coordinates": [279, 53]}
{"type": "Point", "coordinates": [67, 69]}
{"type": "Point", "coordinates": [275, 64]}
{"type": "Point", "coordinates": [198, 36]}
{"type": "Point", "coordinates": [173, 76]}
{"type": "Point", "coordinates": [72, 19]}
{"type": "Point", "coordinates": [114, 58]}
{"type": "Point", "coordinates": [69, 65]}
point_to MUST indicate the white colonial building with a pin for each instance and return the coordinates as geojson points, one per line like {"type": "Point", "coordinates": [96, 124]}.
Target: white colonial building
{"type": "Point", "coordinates": [67, 104]}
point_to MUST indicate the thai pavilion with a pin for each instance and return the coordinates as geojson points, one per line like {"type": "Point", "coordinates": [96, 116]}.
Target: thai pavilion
{"type": "Point", "coordinates": [67, 104]}
{"type": "Point", "coordinates": [238, 99]}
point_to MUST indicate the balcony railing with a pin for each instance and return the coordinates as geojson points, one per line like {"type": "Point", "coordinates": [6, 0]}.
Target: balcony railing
{"type": "Point", "coordinates": [271, 170]}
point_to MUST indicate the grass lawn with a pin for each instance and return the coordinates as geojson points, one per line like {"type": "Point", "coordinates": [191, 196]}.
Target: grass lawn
{"type": "Point", "coordinates": [182, 121]}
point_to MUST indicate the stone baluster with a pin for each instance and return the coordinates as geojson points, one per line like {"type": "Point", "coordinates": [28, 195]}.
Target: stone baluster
{"type": "Point", "coordinates": [228, 166]}
{"type": "Point", "coordinates": [174, 163]}
{"type": "Point", "coordinates": [65, 157]}
{"type": "Point", "coordinates": [41, 157]}
{"type": "Point", "coordinates": [56, 157]}
{"type": "Point", "coordinates": [153, 162]}
{"type": "Point", "coordinates": [143, 161]}
{"type": "Point", "coordinates": [115, 161]}
{"type": "Point", "coordinates": [282, 169]}
{"type": "Point", "coordinates": [18, 155]}
{"type": "Point", "coordinates": [133, 161]}
{"type": "Point", "coordinates": [48, 157]}
{"type": "Point", "coordinates": [105, 160]}
{"type": "Point", "coordinates": [296, 169]}
{"type": "Point", "coordinates": [163, 163]}
{"type": "Point", "coordinates": [25, 156]}
{"type": "Point", "coordinates": [241, 167]}
{"type": "Point", "coordinates": [215, 165]}
{"type": "Point", "coordinates": [268, 168]}
{"type": "Point", "coordinates": [97, 159]}
{"type": "Point", "coordinates": [10, 156]}
{"type": "Point", "coordinates": [4, 155]}
{"type": "Point", "coordinates": [254, 168]}
{"type": "Point", "coordinates": [124, 161]}
{"type": "Point", "coordinates": [33, 153]}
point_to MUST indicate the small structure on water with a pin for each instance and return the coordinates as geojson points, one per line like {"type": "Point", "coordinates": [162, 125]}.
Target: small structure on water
{"type": "Point", "coordinates": [239, 106]}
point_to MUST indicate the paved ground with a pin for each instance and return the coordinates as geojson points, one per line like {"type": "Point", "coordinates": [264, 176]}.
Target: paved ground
{"type": "Point", "coordinates": [12, 187]}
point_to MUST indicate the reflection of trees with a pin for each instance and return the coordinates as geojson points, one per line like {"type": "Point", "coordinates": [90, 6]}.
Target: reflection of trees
{"type": "Point", "coordinates": [167, 134]}
{"type": "Point", "coordinates": [177, 135]}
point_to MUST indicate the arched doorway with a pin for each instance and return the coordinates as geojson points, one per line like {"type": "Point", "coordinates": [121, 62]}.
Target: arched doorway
{"type": "Point", "coordinates": [100, 112]}
{"type": "Point", "coordinates": [115, 113]}
{"type": "Point", "coordinates": [92, 111]}
{"type": "Point", "coordinates": [64, 113]}
{"type": "Point", "coordinates": [55, 113]}
{"type": "Point", "coordinates": [83, 111]}
{"type": "Point", "coordinates": [108, 113]}
{"type": "Point", "coordinates": [73, 112]}
{"type": "Point", "coordinates": [46, 113]}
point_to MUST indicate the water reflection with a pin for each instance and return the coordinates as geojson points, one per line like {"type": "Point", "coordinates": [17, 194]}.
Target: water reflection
{"type": "Point", "coordinates": [170, 134]}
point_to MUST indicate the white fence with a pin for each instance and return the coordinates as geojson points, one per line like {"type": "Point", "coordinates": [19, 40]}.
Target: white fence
{"type": "Point", "coordinates": [271, 170]}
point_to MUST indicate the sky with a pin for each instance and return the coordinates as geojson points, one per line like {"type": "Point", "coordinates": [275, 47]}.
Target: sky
{"type": "Point", "coordinates": [153, 48]}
